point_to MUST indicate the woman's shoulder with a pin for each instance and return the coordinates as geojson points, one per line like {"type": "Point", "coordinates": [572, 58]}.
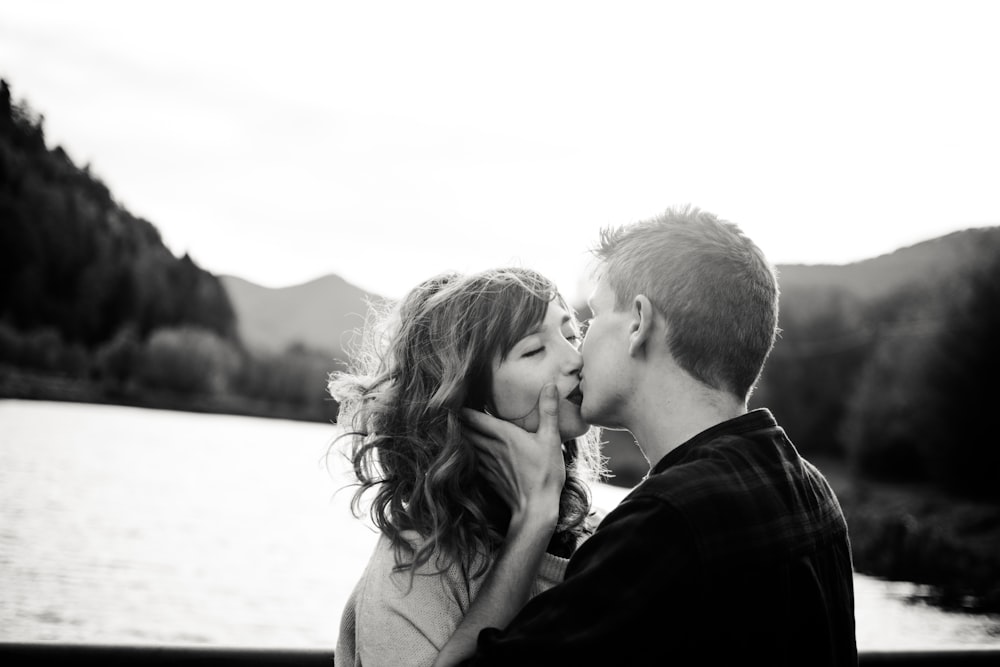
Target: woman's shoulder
{"type": "Point", "coordinates": [551, 571]}
{"type": "Point", "coordinates": [389, 556]}
{"type": "Point", "coordinates": [404, 615]}
{"type": "Point", "coordinates": [391, 574]}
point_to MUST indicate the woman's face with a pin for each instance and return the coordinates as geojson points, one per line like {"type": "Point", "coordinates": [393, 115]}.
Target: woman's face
{"type": "Point", "coordinates": [547, 354]}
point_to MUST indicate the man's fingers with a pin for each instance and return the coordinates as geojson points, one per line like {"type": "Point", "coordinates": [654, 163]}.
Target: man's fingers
{"type": "Point", "coordinates": [483, 423]}
{"type": "Point", "coordinates": [479, 440]}
{"type": "Point", "coordinates": [483, 444]}
{"type": "Point", "coordinates": [548, 412]}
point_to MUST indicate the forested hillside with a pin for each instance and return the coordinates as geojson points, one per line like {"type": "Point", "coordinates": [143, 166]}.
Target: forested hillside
{"type": "Point", "coordinates": [891, 363]}
{"type": "Point", "coordinates": [93, 306]}
{"type": "Point", "coordinates": [75, 261]}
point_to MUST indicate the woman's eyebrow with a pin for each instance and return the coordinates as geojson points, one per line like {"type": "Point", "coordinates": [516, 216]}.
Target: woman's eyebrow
{"type": "Point", "coordinates": [566, 319]}
{"type": "Point", "coordinates": [533, 331]}
{"type": "Point", "coordinates": [537, 329]}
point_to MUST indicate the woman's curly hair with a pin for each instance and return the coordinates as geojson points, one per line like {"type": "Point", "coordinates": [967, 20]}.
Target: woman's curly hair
{"type": "Point", "coordinates": [400, 403]}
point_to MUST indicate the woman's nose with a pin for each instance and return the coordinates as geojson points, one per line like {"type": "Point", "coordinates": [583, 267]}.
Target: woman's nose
{"type": "Point", "coordinates": [573, 360]}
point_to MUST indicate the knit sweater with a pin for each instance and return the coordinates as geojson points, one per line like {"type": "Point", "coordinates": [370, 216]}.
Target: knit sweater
{"type": "Point", "coordinates": [388, 622]}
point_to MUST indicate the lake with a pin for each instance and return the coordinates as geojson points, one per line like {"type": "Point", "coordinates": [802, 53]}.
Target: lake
{"type": "Point", "coordinates": [129, 525]}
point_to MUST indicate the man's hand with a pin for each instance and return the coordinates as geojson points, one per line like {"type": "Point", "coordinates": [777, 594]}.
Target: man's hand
{"type": "Point", "coordinates": [527, 469]}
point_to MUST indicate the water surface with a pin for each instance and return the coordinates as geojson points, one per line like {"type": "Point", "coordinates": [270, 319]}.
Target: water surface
{"type": "Point", "coordinates": [146, 526]}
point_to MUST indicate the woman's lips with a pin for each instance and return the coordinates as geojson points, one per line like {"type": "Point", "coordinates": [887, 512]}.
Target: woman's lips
{"type": "Point", "coordinates": [575, 396]}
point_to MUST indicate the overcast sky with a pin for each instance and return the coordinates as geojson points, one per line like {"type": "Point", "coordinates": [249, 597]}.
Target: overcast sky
{"type": "Point", "coordinates": [387, 141]}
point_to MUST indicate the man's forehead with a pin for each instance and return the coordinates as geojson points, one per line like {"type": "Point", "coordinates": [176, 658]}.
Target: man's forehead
{"type": "Point", "coordinates": [600, 291]}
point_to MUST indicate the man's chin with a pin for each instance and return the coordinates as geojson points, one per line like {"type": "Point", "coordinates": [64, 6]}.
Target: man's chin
{"type": "Point", "coordinates": [595, 418]}
{"type": "Point", "coordinates": [569, 434]}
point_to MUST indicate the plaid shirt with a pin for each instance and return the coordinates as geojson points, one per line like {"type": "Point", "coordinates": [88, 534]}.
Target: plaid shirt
{"type": "Point", "coordinates": [733, 550]}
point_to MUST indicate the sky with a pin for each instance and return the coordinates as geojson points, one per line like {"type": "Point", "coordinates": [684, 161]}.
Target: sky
{"type": "Point", "coordinates": [389, 141]}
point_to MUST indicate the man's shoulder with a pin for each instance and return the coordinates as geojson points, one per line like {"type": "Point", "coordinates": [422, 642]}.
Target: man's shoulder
{"type": "Point", "coordinates": [740, 492]}
{"type": "Point", "coordinates": [706, 470]}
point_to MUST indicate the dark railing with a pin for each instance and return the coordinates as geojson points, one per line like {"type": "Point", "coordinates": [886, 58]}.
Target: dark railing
{"type": "Point", "coordinates": [16, 654]}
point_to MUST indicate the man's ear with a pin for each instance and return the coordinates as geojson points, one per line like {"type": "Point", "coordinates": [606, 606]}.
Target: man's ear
{"type": "Point", "coordinates": [641, 326]}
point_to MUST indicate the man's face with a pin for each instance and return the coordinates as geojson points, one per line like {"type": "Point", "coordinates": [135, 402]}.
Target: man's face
{"type": "Point", "coordinates": [606, 360]}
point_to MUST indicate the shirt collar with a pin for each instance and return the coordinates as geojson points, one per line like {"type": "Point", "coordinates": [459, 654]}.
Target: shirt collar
{"type": "Point", "coordinates": [761, 418]}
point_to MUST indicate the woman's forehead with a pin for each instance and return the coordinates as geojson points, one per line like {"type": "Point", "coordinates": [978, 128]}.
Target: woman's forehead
{"type": "Point", "coordinates": [556, 315]}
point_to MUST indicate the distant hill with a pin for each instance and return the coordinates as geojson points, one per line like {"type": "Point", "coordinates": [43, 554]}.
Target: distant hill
{"type": "Point", "coordinates": [319, 314]}
{"type": "Point", "coordinates": [924, 263]}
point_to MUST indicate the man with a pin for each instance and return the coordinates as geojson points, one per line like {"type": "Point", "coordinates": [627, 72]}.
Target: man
{"type": "Point", "coordinates": [733, 549]}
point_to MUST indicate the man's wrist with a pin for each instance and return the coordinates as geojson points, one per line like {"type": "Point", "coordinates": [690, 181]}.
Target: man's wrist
{"type": "Point", "coordinates": [535, 519]}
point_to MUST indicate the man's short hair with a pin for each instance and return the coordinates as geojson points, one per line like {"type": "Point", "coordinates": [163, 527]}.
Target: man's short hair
{"type": "Point", "coordinates": [717, 291]}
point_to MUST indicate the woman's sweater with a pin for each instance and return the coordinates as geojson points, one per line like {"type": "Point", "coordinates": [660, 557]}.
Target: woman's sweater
{"type": "Point", "coordinates": [388, 622]}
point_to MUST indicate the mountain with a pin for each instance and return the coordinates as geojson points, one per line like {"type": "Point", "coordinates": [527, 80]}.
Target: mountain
{"type": "Point", "coordinates": [921, 264]}
{"type": "Point", "coordinates": [319, 314]}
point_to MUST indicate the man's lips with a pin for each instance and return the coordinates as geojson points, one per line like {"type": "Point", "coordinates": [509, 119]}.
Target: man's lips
{"type": "Point", "coordinates": [575, 396]}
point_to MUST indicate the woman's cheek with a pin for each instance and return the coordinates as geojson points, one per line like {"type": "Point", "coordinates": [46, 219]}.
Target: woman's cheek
{"type": "Point", "coordinates": [511, 403]}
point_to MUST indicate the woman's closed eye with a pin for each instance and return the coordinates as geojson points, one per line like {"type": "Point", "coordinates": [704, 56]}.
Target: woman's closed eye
{"type": "Point", "coordinates": [532, 352]}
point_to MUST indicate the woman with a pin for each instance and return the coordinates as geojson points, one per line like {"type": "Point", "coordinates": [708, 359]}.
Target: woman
{"type": "Point", "coordinates": [488, 341]}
